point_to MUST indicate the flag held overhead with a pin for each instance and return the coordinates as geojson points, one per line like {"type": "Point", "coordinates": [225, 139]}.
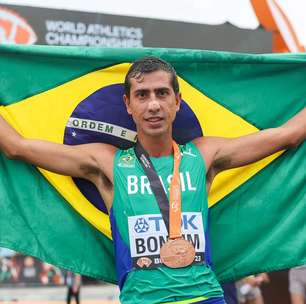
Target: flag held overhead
{"type": "Point", "coordinates": [223, 94]}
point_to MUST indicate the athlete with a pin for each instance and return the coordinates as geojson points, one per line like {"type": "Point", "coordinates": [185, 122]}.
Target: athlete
{"type": "Point", "coordinates": [151, 268]}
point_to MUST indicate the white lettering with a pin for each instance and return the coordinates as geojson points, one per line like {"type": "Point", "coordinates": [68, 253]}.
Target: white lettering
{"type": "Point", "coordinates": [132, 184]}
{"type": "Point", "coordinates": [61, 32]}
{"type": "Point", "coordinates": [145, 185]}
{"type": "Point", "coordinates": [101, 127]}
{"type": "Point", "coordinates": [189, 186]}
{"type": "Point", "coordinates": [183, 187]}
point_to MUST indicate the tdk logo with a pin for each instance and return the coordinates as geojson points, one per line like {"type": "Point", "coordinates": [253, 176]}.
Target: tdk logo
{"type": "Point", "coordinates": [148, 233]}
{"type": "Point", "coordinates": [188, 222]}
{"type": "Point", "coordinates": [141, 225]}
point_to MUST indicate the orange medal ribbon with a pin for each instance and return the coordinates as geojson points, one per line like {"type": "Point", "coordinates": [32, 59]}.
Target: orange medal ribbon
{"type": "Point", "coordinates": [175, 197]}
{"type": "Point", "coordinates": [176, 252]}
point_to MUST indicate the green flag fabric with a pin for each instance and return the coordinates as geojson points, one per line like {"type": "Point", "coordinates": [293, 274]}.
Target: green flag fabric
{"type": "Point", "coordinates": [74, 96]}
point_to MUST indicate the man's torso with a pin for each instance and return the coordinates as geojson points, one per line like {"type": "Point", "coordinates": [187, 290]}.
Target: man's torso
{"type": "Point", "coordinates": [139, 231]}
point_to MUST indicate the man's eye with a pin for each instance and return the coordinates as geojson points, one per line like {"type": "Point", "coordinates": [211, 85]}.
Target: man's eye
{"type": "Point", "coordinates": [141, 94]}
{"type": "Point", "coordinates": [162, 93]}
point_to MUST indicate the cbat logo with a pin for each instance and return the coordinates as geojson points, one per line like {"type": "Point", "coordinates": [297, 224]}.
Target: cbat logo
{"type": "Point", "coordinates": [127, 161]}
{"type": "Point", "coordinates": [14, 29]}
{"type": "Point", "coordinates": [141, 225]}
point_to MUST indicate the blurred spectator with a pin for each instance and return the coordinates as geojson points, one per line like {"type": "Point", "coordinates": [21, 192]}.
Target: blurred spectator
{"type": "Point", "coordinates": [74, 282]}
{"type": "Point", "coordinates": [28, 272]}
{"type": "Point", "coordinates": [21, 269]}
{"type": "Point", "coordinates": [50, 274]}
{"type": "Point", "coordinates": [297, 284]}
{"type": "Point", "coordinates": [248, 289]}
{"type": "Point", "coordinates": [8, 272]}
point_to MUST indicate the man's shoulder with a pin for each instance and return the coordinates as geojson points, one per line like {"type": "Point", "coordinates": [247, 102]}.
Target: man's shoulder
{"type": "Point", "coordinates": [103, 153]}
{"type": "Point", "coordinates": [198, 141]}
{"type": "Point", "coordinates": [205, 143]}
{"type": "Point", "coordinates": [103, 148]}
{"type": "Point", "coordinates": [207, 147]}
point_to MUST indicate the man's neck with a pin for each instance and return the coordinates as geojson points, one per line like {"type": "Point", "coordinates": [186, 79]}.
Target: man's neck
{"type": "Point", "coordinates": [157, 146]}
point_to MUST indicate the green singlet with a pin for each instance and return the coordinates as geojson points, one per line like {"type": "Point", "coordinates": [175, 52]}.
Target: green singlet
{"type": "Point", "coordinates": [139, 231]}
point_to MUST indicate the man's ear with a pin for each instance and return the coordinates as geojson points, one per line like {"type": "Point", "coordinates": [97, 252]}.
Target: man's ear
{"type": "Point", "coordinates": [127, 104]}
{"type": "Point", "coordinates": [178, 98]}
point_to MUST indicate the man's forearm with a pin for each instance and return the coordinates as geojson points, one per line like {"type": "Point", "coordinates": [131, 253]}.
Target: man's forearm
{"type": "Point", "coordinates": [240, 151]}
{"type": "Point", "coordinates": [9, 139]}
{"type": "Point", "coordinates": [296, 129]}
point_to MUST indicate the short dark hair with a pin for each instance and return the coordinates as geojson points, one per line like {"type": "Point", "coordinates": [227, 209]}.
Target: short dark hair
{"type": "Point", "coordinates": [147, 65]}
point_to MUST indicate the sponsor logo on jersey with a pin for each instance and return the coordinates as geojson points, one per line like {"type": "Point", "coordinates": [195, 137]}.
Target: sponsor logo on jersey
{"type": "Point", "coordinates": [141, 225]}
{"type": "Point", "coordinates": [14, 29]}
{"type": "Point", "coordinates": [126, 161]}
{"type": "Point", "coordinates": [144, 262]}
{"type": "Point", "coordinates": [147, 234]}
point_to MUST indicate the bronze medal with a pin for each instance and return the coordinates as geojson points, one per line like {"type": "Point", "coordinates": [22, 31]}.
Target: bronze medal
{"type": "Point", "coordinates": [177, 253]}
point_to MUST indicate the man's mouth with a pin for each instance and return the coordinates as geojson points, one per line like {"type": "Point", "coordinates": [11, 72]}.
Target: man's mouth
{"type": "Point", "coordinates": [154, 119]}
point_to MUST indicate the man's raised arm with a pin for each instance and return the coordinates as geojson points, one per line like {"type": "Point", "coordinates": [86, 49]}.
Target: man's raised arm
{"type": "Point", "coordinates": [84, 161]}
{"type": "Point", "coordinates": [226, 153]}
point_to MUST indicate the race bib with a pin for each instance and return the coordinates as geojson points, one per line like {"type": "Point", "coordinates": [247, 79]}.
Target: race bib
{"type": "Point", "coordinates": [147, 234]}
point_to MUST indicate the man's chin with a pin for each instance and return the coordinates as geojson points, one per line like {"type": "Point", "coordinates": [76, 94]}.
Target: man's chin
{"type": "Point", "coordinates": [155, 132]}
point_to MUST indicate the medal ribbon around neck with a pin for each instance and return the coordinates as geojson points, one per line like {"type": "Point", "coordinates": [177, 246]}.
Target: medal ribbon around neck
{"type": "Point", "coordinates": [176, 252]}
{"type": "Point", "coordinates": [175, 205]}
{"type": "Point", "coordinates": [170, 210]}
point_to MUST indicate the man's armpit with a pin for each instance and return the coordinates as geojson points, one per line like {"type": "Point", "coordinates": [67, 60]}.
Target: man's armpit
{"type": "Point", "coordinates": [222, 163]}
{"type": "Point", "coordinates": [89, 170]}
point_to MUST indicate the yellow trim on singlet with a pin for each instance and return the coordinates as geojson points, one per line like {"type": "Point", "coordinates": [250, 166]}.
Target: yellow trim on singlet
{"type": "Point", "coordinates": [188, 301]}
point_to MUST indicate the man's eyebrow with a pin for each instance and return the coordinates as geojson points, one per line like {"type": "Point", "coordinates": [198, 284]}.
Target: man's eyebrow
{"type": "Point", "coordinates": [141, 90]}
{"type": "Point", "coordinates": [162, 89]}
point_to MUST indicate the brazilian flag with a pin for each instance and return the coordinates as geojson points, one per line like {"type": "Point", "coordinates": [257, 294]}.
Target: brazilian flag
{"type": "Point", "coordinates": [74, 96]}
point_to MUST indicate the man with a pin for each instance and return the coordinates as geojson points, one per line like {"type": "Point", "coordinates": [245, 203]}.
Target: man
{"type": "Point", "coordinates": [153, 269]}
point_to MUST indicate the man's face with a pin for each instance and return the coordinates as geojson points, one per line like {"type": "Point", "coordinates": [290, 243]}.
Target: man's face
{"type": "Point", "coordinates": [153, 103]}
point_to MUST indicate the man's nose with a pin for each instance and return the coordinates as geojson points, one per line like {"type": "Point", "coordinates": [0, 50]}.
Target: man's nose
{"type": "Point", "coordinates": [153, 105]}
